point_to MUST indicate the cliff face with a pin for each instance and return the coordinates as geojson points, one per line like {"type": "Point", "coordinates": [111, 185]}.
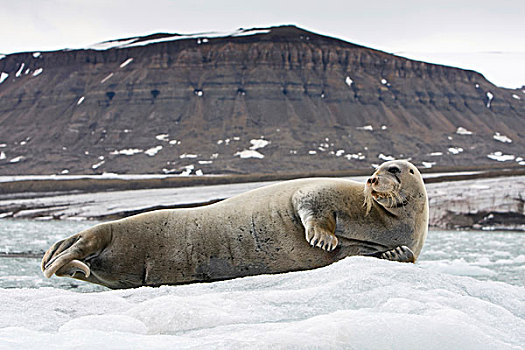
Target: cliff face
{"type": "Point", "coordinates": [274, 100]}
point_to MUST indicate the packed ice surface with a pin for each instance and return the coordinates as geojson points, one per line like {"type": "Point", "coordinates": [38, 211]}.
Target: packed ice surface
{"type": "Point", "coordinates": [466, 292]}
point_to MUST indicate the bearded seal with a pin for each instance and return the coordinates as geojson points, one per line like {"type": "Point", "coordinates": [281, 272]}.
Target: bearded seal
{"type": "Point", "coordinates": [292, 225]}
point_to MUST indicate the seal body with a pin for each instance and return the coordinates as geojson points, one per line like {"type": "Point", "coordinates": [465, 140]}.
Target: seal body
{"type": "Point", "coordinates": [293, 225]}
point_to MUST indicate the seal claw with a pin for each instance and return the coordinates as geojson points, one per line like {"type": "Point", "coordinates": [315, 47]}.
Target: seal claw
{"type": "Point", "coordinates": [319, 238]}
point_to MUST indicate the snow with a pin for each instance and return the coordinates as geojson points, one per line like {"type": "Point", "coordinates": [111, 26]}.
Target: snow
{"type": "Point", "coordinates": [490, 97]}
{"type": "Point", "coordinates": [385, 157]}
{"type": "Point", "coordinates": [436, 154]}
{"type": "Point", "coordinates": [249, 154]}
{"type": "Point", "coordinates": [355, 156]}
{"type": "Point", "coordinates": [516, 97]}
{"type": "Point", "coordinates": [199, 92]}
{"type": "Point", "coordinates": [38, 72]}
{"type": "Point", "coordinates": [162, 137]}
{"type": "Point", "coordinates": [19, 72]}
{"type": "Point", "coordinates": [203, 36]}
{"type": "Point", "coordinates": [3, 77]}
{"type": "Point", "coordinates": [153, 151]}
{"type": "Point", "coordinates": [455, 150]}
{"type": "Point", "coordinates": [16, 159]}
{"type": "Point", "coordinates": [428, 165]}
{"type": "Point", "coordinates": [126, 62]}
{"type": "Point", "coordinates": [339, 153]}
{"type": "Point", "coordinates": [2, 155]}
{"type": "Point", "coordinates": [312, 152]}
{"type": "Point", "coordinates": [187, 170]}
{"type": "Point", "coordinates": [448, 300]}
{"type": "Point", "coordinates": [106, 45]}
{"type": "Point", "coordinates": [127, 151]}
{"type": "Point", "coordinates": [36, 54]}
{"type": "Point", "coordinates": [462, 131]}
{"type": "Point", "coordinates": [260, 143]}
{"type": "Point", "coordinates": [500, 157]}
{"type": "Point", "coordinates": [80, 100]}
{"type": "Point", "coordinates": [98, 165]}
{"type": "Point", "coordinates": [349, 81]}
{"type": "Point", "coordinates": [384, 81]}
{"type": "Point", "coordinates": [501, 138]}
{"type": "Point", "coordinates": [199, 172]}
{"type": "Point", "coordinates": [106, 78]}
{"type": "Point", "coordinates": [366, 127]}
{"type": "Point", "coordinates": [187, 155]}
{"type": "Point", "coordinates": [203, 162]}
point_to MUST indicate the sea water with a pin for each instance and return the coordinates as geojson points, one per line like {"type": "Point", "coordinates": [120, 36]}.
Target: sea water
{"type": "Point", "coordinates": [465, 292]}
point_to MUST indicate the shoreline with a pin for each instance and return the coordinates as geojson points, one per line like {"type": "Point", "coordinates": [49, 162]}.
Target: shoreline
{"type": "Point", "coordinates": [490, 200]}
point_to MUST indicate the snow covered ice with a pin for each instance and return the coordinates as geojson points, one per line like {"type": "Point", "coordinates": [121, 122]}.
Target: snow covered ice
{"type": "Point", "coordinates": [466, 292]}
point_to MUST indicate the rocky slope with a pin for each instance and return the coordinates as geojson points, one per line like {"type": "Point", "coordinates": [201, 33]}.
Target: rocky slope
{"type": "Point", "coordinates": [256, 101]}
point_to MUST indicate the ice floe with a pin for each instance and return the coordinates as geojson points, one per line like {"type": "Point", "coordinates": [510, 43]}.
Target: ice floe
{"type": "Point", "coordinates": [516, 97]}
{"type": "Point", "coordinates": [2, 156]}
{"type": "Point", "coordinates": [501, 138]}
{"type": "Point", "coordinates": [199, 92]}
{"type": "Point", "coordinates": [153, 151]}
{"type": "Point", "coordinates": [462, 131]}
{"type": "Point", "coordinates": [16, 159]}
{"type": "Point", "coordinates": [3, 77]}
{"type": "Point", "coordinates": [80, 100]}
{"type": "Point", "coordinates": [36, 54]}
{"type": "Point", "coordinates": [349, 81]}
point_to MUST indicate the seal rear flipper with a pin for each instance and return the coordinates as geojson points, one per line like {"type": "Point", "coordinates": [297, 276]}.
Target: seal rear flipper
{"type": "Point", "coordinates": [67, 257]}
{"type": "Point", "coordinates": [400, 254]}
{"type": "Point", "coordinates": [71, 268]}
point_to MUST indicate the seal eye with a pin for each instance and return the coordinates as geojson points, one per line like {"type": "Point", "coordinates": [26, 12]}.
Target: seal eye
{"type": "Point", "coordinates": [411, 171]}
{"type": "Point", "coordinates": [394, 170]}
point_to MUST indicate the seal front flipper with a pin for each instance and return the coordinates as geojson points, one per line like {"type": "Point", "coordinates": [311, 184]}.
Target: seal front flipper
{"type": "Point", "coordinates": [400, 254]}
{"type": "Point", "coordinates": [67, 257]}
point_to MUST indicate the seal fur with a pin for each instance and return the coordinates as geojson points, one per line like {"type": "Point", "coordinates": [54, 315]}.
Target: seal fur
{"type": "Point", "coordinates": [293, 225]}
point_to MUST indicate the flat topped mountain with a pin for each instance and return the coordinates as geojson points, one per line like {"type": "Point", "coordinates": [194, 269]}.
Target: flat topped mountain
{"type": "Point", "coordinates": [266, 100]}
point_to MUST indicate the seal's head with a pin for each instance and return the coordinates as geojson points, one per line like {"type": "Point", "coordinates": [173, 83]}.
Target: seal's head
{"type": "Point", "coordinates": [394, 185]}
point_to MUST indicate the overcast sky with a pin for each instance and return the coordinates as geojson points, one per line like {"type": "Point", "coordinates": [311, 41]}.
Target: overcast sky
{"type": "Point", "coordinates": [487, 36]}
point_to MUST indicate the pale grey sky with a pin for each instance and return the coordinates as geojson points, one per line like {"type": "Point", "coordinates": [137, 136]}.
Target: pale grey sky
{"type": "Point", "coordinates": [486, 36]}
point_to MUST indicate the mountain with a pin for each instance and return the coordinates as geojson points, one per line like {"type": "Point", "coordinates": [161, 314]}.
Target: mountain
{"type": "Point", "coordinates": [267, 100]}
